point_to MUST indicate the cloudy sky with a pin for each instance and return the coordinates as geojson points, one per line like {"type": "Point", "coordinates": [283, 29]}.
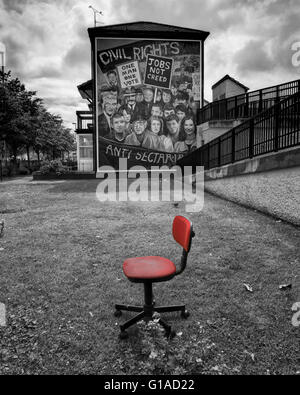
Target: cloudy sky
{"type": "Point", "coordinates": [49, 50]}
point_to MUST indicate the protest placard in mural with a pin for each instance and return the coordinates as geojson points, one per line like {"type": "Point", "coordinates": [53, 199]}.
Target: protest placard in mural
{"type": "Point", "coordinates": [158, 71]}
{"type": "Point", "coordinates": [129, 74]}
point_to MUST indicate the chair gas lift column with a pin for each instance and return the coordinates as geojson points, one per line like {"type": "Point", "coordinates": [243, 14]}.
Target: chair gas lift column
{"type": "Point", "coordinates": [153, 269]}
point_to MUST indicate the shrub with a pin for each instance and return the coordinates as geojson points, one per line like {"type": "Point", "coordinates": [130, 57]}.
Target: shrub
{"type": "Point", "coordinates": [53, 167]}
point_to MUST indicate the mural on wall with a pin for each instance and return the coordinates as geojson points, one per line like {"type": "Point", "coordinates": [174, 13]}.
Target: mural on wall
{"type": "Point", "coordinates": [148, 95]}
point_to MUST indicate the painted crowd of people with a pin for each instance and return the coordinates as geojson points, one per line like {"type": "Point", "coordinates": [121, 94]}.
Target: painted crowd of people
{"type": "Point", "coordinates": [159, 120]}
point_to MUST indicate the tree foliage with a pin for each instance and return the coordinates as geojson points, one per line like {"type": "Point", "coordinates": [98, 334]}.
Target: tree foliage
{"type": "Point", "coordinates": [26, 124]}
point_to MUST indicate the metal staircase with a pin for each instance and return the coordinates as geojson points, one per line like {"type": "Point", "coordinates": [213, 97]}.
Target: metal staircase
{"type": "Point", "coordinates": [247, 105]}
{"type": "Point", "coordinates": [272, 129]}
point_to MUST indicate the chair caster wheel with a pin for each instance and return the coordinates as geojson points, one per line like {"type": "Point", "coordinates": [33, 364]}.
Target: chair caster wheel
{"type": "Point", "coordinates": [123, 335]}
{"type": "Point", "coordinates": [118, 313]}
{"type": "Point", "coordinates": [172, 334]}
{"type": "Point", "coordinates": [185, 314]}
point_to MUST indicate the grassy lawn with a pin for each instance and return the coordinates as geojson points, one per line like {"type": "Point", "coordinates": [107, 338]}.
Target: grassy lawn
{"type": "Point", "coordinates": [61, 273]}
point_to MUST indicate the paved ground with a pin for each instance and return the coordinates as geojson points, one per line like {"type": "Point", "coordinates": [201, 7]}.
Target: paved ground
{"type": "Point", "coordinates": [60, 265]}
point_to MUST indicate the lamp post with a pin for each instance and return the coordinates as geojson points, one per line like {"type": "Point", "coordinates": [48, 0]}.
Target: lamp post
{"type": "Point", "coordinates": [2, 65]}
{"type": "Point", "coordinates": [2, 59]}
{"type": "Point", "coordinates": [95, 15]}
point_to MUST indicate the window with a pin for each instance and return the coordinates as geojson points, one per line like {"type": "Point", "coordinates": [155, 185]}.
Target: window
{"type": "Point", "coordinates": [86, 140]}
{"type": "Point", "coordinates": [85, 152]}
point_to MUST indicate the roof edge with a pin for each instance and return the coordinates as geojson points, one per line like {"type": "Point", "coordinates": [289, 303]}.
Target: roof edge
{"type": "Point", "coordinates": [92, 31]}
{"type": "Point", "coordinates": [227, 76]}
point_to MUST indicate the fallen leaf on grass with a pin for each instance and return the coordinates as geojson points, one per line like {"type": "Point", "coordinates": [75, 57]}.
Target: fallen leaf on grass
{"type": "Point", "coordinates": [1, 228]}
{"type": "Point", "coordinates": [251, 355]}
{"type": "Point", "coordinates": [248, 287]}
{"type": "Point", "coordinates": [211, 323]}
{"type": "Point", "coordinates": [153, 355]}
{"type": "Point", "coordinates": [216, 369]}
{"type": "Point", "coordinates": [284, 287]}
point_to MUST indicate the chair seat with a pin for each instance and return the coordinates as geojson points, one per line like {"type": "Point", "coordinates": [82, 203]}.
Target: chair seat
{"type": "Point", "coordinates": [154, 268]}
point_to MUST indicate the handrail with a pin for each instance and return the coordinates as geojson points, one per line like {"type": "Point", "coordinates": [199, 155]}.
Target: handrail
{"type": "Point", "coordinates": [274, 129]}
{"type": "Point", "coordinates": [247, 104]}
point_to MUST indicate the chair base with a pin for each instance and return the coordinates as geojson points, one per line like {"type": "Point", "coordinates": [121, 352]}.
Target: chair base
{"type": "Point", "coordinates": [146, 312]}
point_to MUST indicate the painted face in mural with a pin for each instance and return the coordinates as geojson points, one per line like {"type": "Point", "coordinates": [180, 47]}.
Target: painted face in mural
{"type": "Point", "coordinates": [131, 99]}
{"type": "Point", "coordinates": [156, 111]}
{"type": "Point", "coordinates": [168, 112]}
{"type": "Point", "coordinates": [139, 97]}
{"type": "Point", "coordinates": [126, 116]}
{"type": "Point", "coordinates": [148, 95]}
{"type": "Point", "coordinates": [174, 90]}
{"type": "Point", "coordinates": [173, 126]}
{"type": "Point", "coordinates": [119, 124]}
{"type": "Point", "coordinates": [183, 86]}
{"type": "Point", "coordinates": [110, 106]}
{"type": "Point", "coordinates": [112, 78]}
{"type": "Point", "coordinates": [189, 127]}
{"type": "Point", "coordinates": [180, 101]}
{"type": "Point", "coordinates": [139, 127]}
{"type": "Point", "coordinates": [155, 126]}
{"type": "Point", "coordinates": [166, 96]}
{"type": "Point", "coordinates": [158, 96]}
{"type": "Point", "coordinates": [180, 114]}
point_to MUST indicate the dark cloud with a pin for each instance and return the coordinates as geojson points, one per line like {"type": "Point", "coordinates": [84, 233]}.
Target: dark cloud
{"type": "Point", "coordinates": [62, 101]}
{"type": "Point", "coordinates": [278, 38]}
{"type": "Point", "coordinates": [80, 23]}
{"type": "Point", "coordinates": [281, 7]}
{"type": "Point", "coordinates": [79, 54]}
{"type": "Point", "coordinates": [252, 58]}
{"type": "Point", "coordinates": [14, 50]}
{"type": "Point", "coordinates": [214, 16]}
{"type": "Point", "coordinates": [38, 31]}
{"type": "Point", "coordinates": [15, 5]}
{"type": "Point", "coordinates": [192, 13]}
{"type": "Point", "coordinates": [46, 72]}
{"type": "Point", "coordinates": [287, 33]}
{"type": "Point", "coordinates": [20, 5]}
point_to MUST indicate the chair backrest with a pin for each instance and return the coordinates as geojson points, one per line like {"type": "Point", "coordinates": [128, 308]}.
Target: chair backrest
{"type": "Point", "coordinates": [183, 232]}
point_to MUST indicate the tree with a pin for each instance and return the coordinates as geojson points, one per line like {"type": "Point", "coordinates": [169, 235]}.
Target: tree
{"type": "Point", "coordinates": [53, 138]}
{"type": "Point", "coordinates": [16, 115]}
{"type": "Point", "coordinates": [25, 123]}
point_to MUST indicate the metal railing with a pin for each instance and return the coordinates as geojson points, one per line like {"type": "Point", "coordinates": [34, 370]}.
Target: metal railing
{"type": "Point", "coordinates": [248, 104]}
{"type": "Point", "coordinates": [274, 129]}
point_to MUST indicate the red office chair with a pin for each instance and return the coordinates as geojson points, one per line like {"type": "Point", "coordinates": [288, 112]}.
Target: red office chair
{"type": "Point", "coordinates": [153, 269]}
